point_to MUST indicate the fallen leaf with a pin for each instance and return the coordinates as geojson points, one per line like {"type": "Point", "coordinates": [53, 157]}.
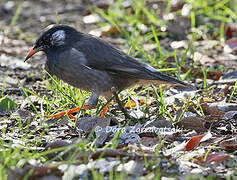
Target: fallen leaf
{"type": "Point", "coordinates": [229, 145]}
{"type": "Point", "coordinates": [231, 45]}
{"type": "Point", "coordinates": [213, 157]}
{"type": "Point", "coordinates": [211, 109]}
{"type": "Point", "coordinates": [213, 75]}
{"type": "Point", "coordinates": [217, 108]}
{"type": "Point", "coordinates": [110, 31]}
{"type": "Point", "coordinates": [194, 142]}
{"type": "Point", "coordinates": [207, 136]}
{"type": "Point", "coordinates": [37, 172]}
{"type": "Point", "coordinates": [58, 144]}
{"type": "Point", "coordinates": [194, 123]}
{"type": "Point", "coordinates": [231, 30]}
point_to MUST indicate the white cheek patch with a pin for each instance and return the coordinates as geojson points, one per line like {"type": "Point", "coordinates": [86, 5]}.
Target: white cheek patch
{"type": "Point", "coordinates": [58, 37]}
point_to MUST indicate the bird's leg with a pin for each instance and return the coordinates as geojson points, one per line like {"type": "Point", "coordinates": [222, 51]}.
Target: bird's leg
{"type": "Point", "coordinates": [121, 106]}
{"type": "Point", "coordinates": [93, 101]}
{"type": "Point", "coordinates": [69, 112]}
{"type": "Point", "coordinates": [105, 110]}
{"type": "Point", "coordinates": [91, 104]}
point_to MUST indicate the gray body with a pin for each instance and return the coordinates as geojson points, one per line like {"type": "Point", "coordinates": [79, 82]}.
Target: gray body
{"type": "Point", "coordinates": [91, 64]}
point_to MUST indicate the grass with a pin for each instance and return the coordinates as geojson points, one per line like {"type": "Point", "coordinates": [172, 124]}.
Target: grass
{"type": "Point", "coordinates": [129, 22]}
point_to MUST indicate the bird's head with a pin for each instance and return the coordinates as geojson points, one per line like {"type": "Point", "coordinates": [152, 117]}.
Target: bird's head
{"type": "Point", "coordinates": [59, 36]}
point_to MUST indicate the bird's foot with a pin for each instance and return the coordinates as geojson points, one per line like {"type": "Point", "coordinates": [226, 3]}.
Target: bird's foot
{"type": "Point", "coordinates": [69, 112]}
{"type": "Point", "coordinates": [105, 110]}
{"type": "Point", "coordinates": [120, 104]}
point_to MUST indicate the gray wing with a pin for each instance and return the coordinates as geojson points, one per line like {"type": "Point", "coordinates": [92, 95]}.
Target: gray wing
{"type": "Point", "coordinates": [102, 56]}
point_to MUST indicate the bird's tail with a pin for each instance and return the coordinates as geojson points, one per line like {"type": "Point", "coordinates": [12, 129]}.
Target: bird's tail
{"type": "Point", "coordinates": [168, 80]}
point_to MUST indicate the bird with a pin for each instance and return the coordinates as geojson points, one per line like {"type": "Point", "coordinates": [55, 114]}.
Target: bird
{"type": "Point", "coordinates": [92, 64]}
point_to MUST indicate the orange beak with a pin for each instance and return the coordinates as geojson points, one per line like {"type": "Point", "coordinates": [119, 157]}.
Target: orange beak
{"type": "Point", "coordinates": [33, 50]}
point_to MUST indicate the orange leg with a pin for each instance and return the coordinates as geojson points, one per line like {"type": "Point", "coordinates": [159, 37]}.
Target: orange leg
{"type": "Point", "coordinates": [105, 110]}
{"type": "Point", "coordinates": [69, 113]}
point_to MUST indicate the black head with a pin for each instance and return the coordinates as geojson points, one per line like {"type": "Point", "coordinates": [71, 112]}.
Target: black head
{"type": "Point", "coordinates": [59, 36]}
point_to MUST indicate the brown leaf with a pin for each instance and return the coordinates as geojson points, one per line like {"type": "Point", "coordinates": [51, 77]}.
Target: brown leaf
{"type": "Point", "coordinates": [37, 172]}
{"type": "Point", "coordinates": [217, 109]}
{"type": "Point", "coordinates": [216, 157]}
{"type": "Point", "coordinates": [231, 45]}
{"type": "Point", "coordinates": [231, 30]}
{"type": "Point", "coordinates": [194, 123]}
{"type": "Point", "coordinates": [111, 31]}
{"type": "Point", "coordinates": [57, 144]}
{"type": "Point", "coordinates": [199, 74]}
{"type": "Point", "coordinates": [119, 154]}
{"type": "Point", "coordinates": [109, 153]}
{"type": "Point", "coordinates": [211, 109]}
{"type": "Point", "coordinates": [213, 157]}
{"type": "Point", "coordinates": [194, 142]}
{"type": "Point", "coordinates": [229, 145]}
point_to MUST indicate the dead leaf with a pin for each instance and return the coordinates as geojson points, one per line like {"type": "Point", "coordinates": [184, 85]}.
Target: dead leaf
{"type": "Point", "coordinates": [37, 172]}
{"type": "Point", "coordinates": [211, 109]}
{"type": "Point", "coordinates": [182, 96]}
{"type": "Point", "coordinates": [108, 153]}
{"type": "Point", "coordinates": [110, 31]}
{"type": "Point", "coordinates": [230, 75]}
{"type": "Point", "coordinates": [57, 144]}
{"type": "Point", "coordinates": [194, 123]}
{"type": "Point", "coordinates": [231, 30]}
{"type": "Point", "coordinates": [213, 75]}
{"type": "Point", "coordinates": [217, 108]}
{"type": "Point", "coordinates": [229, 145]}
{"type": "Point", "coordinates": [105, 166]}
{"type": "Point", "coordinates": [72, 171]}
{"type": "Point", "coordinates": [179, 44]}
{"type": "Point", "coordinates": [194, 142]}
{"type": "Point", "coordinates": [231, 45]}
{"type": "Point", "coordinates": [213, 157]}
